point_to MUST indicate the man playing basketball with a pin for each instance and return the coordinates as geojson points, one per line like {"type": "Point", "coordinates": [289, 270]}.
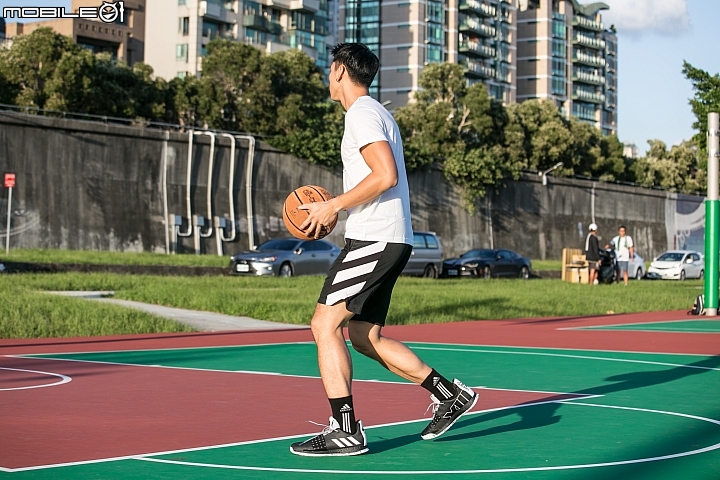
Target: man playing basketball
{"type": "Point", "coordinates": [378, 244]}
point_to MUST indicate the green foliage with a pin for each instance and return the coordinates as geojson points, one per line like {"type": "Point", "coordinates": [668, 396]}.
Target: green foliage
{"type": "Point", "coordinates": [677, 169]}
{"type": "Point", "coordinates": [706, 100]}
{"type": "Point", "coordinates": [459, 127]}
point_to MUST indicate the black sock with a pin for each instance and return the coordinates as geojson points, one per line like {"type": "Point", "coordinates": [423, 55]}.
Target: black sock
{"type": "Point", "coordinates": [439, 386]}
{"type": "Point", "coordinates": [344, 413]}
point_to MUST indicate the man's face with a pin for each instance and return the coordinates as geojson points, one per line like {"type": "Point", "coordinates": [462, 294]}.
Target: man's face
{"type": "Point", "coordinates": [621, 232]}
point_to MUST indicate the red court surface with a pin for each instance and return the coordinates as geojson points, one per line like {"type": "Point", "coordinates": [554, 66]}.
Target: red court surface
{"type": "Point", "coordinates": [541, 333]}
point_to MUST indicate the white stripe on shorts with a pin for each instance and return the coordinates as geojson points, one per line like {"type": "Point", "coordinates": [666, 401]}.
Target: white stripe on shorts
{"type": "Point", "coordinates": [354, 272]}
{"type": "Point", "coordinates": [335, 297]}
{"type": "Point", "coordinates": [371, 249]}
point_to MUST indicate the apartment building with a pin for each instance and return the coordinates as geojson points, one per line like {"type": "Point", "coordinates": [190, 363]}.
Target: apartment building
{"type": "Point", "coordinates": [565, 54]}
{"type": "Point", "coordinates": [123, 39]}
{"type": "Point", "coordinates": [176, 48]}
{"type": "Point", "coordinates": [409, 35]}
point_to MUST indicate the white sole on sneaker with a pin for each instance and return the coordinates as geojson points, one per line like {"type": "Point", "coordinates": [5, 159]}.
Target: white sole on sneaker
{"type": "Point", "coordinates": [430, 436]}
{"type": "Point", "coordinates": [350, 454]}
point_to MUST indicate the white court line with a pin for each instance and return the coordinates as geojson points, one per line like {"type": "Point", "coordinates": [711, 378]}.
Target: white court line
{"type": "Point", "coordinates": [633, 323]}
{"type": "Point", "coordinates": [276, 374]}
{"type": "Point", "coordinates": [472, 471]}
{"type": "Point", "coordinates": [567, 356]}
{"type": "Point", "coordinates": [63, 379]}
{"type": "Point", "coordinates": [142, 456]}
{"type": "Point", "coordinates": [163, 349]}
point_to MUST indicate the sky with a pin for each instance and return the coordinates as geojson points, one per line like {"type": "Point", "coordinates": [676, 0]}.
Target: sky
{"type": "Point", "coordinates": [654, 37]}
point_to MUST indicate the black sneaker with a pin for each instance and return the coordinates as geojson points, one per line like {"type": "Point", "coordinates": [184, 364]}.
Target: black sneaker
{"type": "Point", "coordinates": [333, 442]}
{"type": "Point", "coordinates": [446, 413]}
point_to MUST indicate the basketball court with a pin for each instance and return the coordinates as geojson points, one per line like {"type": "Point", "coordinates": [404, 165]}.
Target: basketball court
{"type": "Point", "coordinates": [622, 396]}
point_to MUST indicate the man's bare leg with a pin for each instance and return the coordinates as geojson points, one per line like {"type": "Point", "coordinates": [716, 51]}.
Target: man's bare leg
{"type": "Point", "coordinates": [366, 338]}
{"type": "Point", "coordinates": [333, 354]}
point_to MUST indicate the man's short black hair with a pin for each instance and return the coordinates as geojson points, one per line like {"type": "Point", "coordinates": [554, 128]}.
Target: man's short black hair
{"type": "Point", "coordinates": [361, 63]}
{"type": "Point", "coordinates": [623, 227]}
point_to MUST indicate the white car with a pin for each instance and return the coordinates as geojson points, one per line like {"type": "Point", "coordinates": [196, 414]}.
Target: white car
{"type": "Point", "coordinates": [678, 265]}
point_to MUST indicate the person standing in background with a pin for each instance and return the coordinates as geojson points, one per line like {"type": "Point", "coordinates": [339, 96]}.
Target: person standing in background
{"type": "Point", "coordinates": [624, 252]}
{"type": "Point", "coordinates": [592, 254]}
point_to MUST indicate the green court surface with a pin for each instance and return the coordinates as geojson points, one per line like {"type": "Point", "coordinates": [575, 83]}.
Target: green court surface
{"type": "Point", "coordinates": [675, 326]}
{"type": "Point", "coordinates": [652, 416]}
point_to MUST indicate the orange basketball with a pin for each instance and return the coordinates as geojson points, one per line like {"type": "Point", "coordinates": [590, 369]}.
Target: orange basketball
{"type": "Point", "coordinates": [294, 217]}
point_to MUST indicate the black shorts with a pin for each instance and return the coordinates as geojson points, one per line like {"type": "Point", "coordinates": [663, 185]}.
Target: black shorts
{"type": "Point", "coordinates": [363, 276]}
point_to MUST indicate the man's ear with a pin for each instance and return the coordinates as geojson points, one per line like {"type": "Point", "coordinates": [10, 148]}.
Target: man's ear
{"type": "Point", "coordinates": [339, 72]}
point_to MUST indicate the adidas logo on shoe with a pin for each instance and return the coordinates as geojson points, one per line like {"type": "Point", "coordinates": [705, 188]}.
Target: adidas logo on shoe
{"type": "Point", "coordinates": [333, 442]}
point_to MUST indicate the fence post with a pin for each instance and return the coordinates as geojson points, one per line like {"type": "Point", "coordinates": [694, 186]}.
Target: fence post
{"type": "Point", "coordinates": [712, 219]}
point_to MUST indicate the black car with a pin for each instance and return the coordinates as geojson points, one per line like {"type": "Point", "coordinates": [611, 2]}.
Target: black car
{"type": "Point", "coordinates": [488, 263]}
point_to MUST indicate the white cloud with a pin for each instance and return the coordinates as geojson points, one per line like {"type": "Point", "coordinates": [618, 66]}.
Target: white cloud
{"type": "Point", "coordinates": [646, 16]}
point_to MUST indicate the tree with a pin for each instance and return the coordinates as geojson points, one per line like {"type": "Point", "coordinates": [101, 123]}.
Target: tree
{"type": "Point", "coordinates": [676, 170]}
{"type": "Point", "coordinates": [706, 100]}
{"type": "Point", "coordinates": [459, 127]}
{"type": "Point", "coordinates": [31, 61]}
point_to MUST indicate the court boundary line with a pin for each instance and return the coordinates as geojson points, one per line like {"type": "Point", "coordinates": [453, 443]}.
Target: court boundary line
{"type": "Point", "coordinates": [273, 439]}
{"type": "Point", "coordinates": [572, 356]}
{"type": "Point", "coordinates": [63, 379]}
{"type": "Point", "coordinates": [477, 471]}
{"type": "Point", "coordinates": [600, 327]}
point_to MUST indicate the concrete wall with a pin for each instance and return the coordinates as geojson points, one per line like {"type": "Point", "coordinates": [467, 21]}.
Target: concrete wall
{"type": "Point", "coordinates": [84, 185]}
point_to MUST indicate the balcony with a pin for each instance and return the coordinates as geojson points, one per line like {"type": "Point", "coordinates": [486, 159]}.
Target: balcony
{"type": "Point", "coordinates": [472, 25]}
{"type": "Point", "coordinates": [587, 41]}
{"type": "Point", "coordinates": [476, 48]}
{"type": "Point", "coordinates": [588, 24]}
{"type": "Point", "coordinates": [478, 69]}
{"type": "Point", "coordinates": [584, 77]}
{"type": "Point", "coordinates": [216, 12]}
{"type": "Point", "coordinates": [259, 22]}
{"type": "Point", "coordinates": [592, 60]}
{"type": "Point", "coordinates": [588, 96]}
{"type": "Point", "coordinates": [305, 5]}
{"type": "Point", "coordinates": [480, 8]}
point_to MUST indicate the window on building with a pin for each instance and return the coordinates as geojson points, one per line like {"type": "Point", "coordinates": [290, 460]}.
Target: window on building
{"type": "Point", "coordinates": [558, 67]}
{"type": "Point", "coordinates": [181, 74]}
{"type": "Point", "coordinates": [558, 48]}
{"type": "Point", "coordinates": [435, 11]}
{"type": "Point", "coordinates": [435, 34]}
{"type": "Point", "coordinates": [433, 54]}
{"type": "Point", "coordinates": [181, 2]}
{"type": "Point", "coordinates": [558, 86]}
{"type": "Point", "coordinates": [559, 29]}
{"type": "Point", "coordinates": [184, 25]}
{"type": "Point", "coordinates": [181, 52]}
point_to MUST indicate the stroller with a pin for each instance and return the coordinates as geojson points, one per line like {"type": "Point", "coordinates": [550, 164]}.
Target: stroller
{"type": "Point", "coordinates": [608, 266]}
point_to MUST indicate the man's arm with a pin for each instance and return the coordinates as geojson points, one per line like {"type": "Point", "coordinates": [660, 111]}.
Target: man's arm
{"type": "Point", "coordinates": [631, 248]}
{"type": "Point", "coordinates": [383, 176]}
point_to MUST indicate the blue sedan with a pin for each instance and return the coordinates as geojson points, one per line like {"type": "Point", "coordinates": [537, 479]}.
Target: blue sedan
{"type": "Point", "coordinates": [488, 263]}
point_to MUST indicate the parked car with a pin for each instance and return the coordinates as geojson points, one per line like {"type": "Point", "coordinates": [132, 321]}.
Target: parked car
{"type": "Point", "coordinates": [677, 265]}
{"type": "Point", "coordinates": [426, 258]}
{"type": "Point", "coordinates": [488, 263]}
{"type": "Point", "coordinates": [286, 257]}
{"type": "Point", "coordinates": [636, 267]}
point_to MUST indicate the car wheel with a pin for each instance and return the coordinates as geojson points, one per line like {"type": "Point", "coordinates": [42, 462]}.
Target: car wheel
{"type": "Point", "coordinates": [286, 270]}
{"type": "Point", "coordinates": [430, 272]}
{"type": "Point", "coordinates": [639, 274]}
{"type": "Point", "coordinates": [524, 272]}
{"type": "Point", "coordinates": [702, 274]}
{"type": "Point", "coordinates": [682, 275]}
{"type": "Point", "coordinates": [486, 272]}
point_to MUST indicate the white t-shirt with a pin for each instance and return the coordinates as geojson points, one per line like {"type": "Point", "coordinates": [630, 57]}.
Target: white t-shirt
{"type": "Point", "coordinates": [622, 247]}
{"type": "Point", "coordinates": [386, 218]}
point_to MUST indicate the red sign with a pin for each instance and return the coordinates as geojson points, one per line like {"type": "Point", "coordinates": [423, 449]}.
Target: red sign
{"type": "Point", "coordinates": [9, 180]}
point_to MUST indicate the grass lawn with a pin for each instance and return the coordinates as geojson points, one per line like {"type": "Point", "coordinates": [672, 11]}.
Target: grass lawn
{"type": "Point", "coordinates": [293, 300]}
{"type": "Point", "coordinates": [114, 258]}
{"type": "Point", "coordinates": [130, 258]}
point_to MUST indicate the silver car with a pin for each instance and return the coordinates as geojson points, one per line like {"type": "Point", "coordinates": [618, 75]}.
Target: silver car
{"type": "Point", "coordinates": [286, 257]}
{"type": "Point", "coordinates": [678, 265]}
{"type": "Point", "coordinates": [426, 257]}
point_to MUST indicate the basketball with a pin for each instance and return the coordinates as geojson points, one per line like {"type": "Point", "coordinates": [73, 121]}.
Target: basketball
{"type": "Point", "coordinates": [294, 217]}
